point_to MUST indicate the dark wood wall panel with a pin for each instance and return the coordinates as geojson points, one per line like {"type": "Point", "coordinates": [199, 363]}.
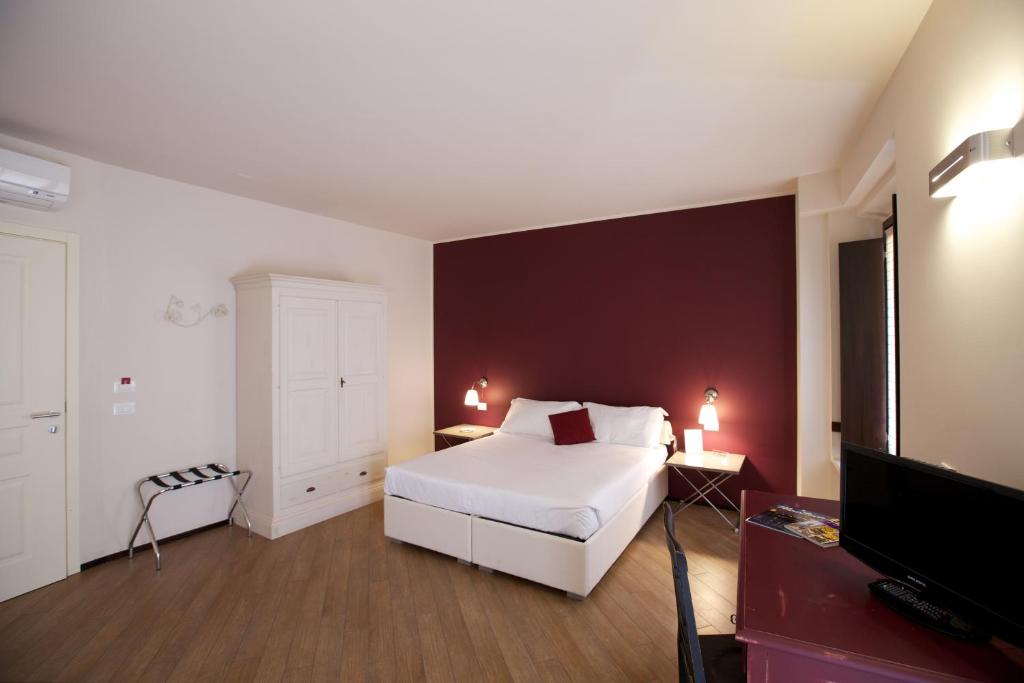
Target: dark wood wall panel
{"type": "Point", "coordinates": [862, 342]}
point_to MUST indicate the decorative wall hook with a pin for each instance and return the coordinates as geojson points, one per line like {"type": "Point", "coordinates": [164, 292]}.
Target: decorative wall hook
{"type": "Point", "coordinates": [175, 312]}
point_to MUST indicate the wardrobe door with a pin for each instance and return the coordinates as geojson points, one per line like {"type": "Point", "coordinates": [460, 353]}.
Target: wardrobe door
{"type": "Point", "coordinates": [309, 384]}
{"type": "Point", "coordinates": [361, 350]}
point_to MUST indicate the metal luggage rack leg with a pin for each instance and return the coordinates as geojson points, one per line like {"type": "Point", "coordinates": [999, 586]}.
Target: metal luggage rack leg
{"type": "Point", "coordinates": [201, 474]}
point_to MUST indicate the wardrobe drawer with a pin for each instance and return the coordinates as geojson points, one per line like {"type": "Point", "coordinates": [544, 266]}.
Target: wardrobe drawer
{"type": "Point", "coordinates": [310, 488]}
{"type": "Point", "coordinates": [363, 471]}
{"type": "Point", "coordinates": [336, 479]}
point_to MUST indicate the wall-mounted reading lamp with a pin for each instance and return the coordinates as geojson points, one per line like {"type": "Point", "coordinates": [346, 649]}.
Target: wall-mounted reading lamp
{"type": "Point", "coordinates": [952, 174]}
{"type": "Point", "coordinates": [708, 413]}
{"type": "Point", "coordinates": [472, 397]}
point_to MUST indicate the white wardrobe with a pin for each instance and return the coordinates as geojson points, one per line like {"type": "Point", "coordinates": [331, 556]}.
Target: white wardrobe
{"type": "Point", "coordinates": [311, 398]}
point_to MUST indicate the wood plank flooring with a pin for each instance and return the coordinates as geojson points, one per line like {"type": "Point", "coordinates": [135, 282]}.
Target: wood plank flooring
{"type": "Point", "coordinates": [336, 601]}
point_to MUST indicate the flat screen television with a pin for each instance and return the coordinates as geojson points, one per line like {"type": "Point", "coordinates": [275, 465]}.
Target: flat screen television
{"type": "Point", "coordinates": [953, 537]}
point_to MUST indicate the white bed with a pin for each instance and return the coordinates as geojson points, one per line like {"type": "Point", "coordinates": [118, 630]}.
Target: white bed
{"type": "Point", "coordinates": [529, 481]}
{"type": "Point", "coordinates": [557, 515]}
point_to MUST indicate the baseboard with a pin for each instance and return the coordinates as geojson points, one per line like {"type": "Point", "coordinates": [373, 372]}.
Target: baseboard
{"type": "Point", "coordinates": [315, 512]}
{"type": "Point", "coordinates": [261, 523]}
{"type": "Point", "coordinates": [146, 546]}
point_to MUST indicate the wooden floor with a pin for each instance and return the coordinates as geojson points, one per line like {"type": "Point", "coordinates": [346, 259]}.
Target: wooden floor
{"type": "Point", "coordinates": [338, 602]}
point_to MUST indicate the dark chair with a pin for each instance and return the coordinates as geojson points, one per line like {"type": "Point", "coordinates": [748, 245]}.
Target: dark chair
{"type": "Point", "coordinates": [702, 659]}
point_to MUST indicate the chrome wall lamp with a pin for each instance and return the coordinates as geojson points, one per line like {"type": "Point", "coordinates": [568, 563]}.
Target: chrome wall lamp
{"type": "Point", "coordinates": [950, 175]}
{"type": "Point", "coordinates": [473, 397]}
{"type": "Point", "coordinates": [693, 439]}
{"type": "Point", "coordinates": [708, 417]}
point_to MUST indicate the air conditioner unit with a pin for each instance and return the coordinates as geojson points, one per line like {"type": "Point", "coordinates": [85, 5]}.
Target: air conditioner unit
{"type": "Point", "coordinates": [33, 183]}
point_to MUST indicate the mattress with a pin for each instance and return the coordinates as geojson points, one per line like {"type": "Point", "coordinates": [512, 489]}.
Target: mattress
{"type": "Point", "coordinates": [528, 481]}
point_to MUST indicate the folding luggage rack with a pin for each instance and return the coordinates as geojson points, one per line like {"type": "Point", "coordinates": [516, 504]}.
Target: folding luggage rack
{"type": "Point", "coordinates": [178, 480]}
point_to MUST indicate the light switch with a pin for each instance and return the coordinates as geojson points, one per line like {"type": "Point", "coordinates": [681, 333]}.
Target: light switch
{"type": "Point", "coordinates": [124, 408]}
{"type": "Point", "coordinates": [122, 387]}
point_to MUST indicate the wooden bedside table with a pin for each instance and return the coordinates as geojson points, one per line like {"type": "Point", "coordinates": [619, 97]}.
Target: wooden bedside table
{"type": "Point", "coordinates": [464, 432]}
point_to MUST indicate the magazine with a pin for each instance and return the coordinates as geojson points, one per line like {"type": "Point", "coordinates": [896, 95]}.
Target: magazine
{"type": "Point", "coordinates": [819, 533]}
{"type": "Point", "coordinates": [779, 516]}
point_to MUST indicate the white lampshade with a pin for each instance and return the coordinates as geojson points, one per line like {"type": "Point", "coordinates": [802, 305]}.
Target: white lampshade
{"type": "Point", "coordinates": [708, 417]}
{"type": "Point", "coordinates": [693, 441]}
{"type": "Point", "coordinates": [472, 398]}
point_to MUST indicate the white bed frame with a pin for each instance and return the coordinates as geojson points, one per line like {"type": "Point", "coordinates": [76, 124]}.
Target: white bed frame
{"type": "Point", "coordinates": [569, 565]}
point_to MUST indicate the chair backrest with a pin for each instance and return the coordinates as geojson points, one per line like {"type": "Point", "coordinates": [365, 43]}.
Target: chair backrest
{"type": "Point", "coordinates": [691, 666]}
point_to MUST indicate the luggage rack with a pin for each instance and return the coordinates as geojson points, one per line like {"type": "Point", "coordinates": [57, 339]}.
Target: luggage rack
{"type": "Point", "coordinates": [180, 479]}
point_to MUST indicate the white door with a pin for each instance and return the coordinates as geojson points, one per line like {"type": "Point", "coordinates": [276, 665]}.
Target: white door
{"type": "Point", "coordinates": [361, 333]}
{"type": "Point", "coordinates": [33, 519]}
{"type": "Point", "coordinates": [309, 384]}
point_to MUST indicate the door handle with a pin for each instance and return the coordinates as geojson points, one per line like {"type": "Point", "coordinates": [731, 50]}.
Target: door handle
{"type": "Point", "coordinates": [48, 413]}
{"type": "Point", "coordinates": [341, 382]}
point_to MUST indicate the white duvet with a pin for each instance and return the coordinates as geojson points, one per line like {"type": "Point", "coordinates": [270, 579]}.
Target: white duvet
{"type": "Point", "coordinates": [528, 481]}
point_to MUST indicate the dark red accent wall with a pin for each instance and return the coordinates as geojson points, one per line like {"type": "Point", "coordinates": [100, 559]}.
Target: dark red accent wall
{"type": "Point", "coordinates": [646, 310]}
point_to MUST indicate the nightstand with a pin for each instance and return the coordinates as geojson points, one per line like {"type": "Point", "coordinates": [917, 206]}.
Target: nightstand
{"type": "Point", "coordinates": [461, 433]}
{"type": "Point", "coordinates": [719, 465]}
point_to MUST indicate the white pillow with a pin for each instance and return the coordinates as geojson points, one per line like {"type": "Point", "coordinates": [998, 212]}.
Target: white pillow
{"type": "Point", "coordinates": [636, 426]}
{"type": "Point", "coordinates": [531, 417]}
{"type": "Point", "coordinates": [666, 433]}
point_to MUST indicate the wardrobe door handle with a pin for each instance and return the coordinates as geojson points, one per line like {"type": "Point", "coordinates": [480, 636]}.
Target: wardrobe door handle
{"type": "Point", "coordinates": [311, 489]}
{"type": "Point", "coordinates": [362, 474]}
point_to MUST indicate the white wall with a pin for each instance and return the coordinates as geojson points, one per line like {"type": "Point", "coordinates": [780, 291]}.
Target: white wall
{"type": "Point", "coordinates": [822, 224]}
{"type": "Point", "coordinates": [144, 238]}
{"type": "Point", "coordinates": [960, 276]}
{"type": "Point", "coordinates": [813, 441]}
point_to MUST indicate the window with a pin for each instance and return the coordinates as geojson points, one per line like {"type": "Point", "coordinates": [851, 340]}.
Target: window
{"type": "Point", "coordinates": [891, 336]}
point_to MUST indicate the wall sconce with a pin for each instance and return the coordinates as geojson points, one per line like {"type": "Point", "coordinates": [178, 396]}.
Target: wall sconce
{"type": "Point", "coordinates": [959, 169]}
{"type": "Point", "coordinates": [708, 413]}
{"type": "Point", "coordinates": [472, 397]}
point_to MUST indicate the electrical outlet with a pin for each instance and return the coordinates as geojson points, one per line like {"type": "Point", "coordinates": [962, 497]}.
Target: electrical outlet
{"type": "Point", "coordinates": [124, 408]}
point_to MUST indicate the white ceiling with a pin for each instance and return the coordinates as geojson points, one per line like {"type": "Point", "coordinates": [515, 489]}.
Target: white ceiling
{"type": "Point", "coordinates": [455, 117]}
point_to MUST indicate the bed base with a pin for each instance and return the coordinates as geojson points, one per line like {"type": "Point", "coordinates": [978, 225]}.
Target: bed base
{"type": "Point", "coordinates": [434, 528]}
{"type": "Point", "coordinates": [572, 566]}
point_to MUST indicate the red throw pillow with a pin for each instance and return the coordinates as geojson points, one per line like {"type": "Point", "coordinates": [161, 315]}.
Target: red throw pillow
{"type": "Point", "coordinates": [572, 427]}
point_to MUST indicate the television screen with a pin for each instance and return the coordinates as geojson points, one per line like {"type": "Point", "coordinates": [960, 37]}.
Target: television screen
{"type": "Point", "coordinates": [954, 537]}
